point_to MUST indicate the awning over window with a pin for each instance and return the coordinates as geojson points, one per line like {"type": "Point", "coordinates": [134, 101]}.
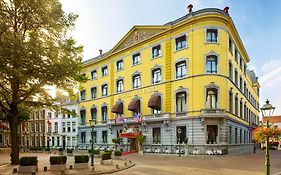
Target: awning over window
{"type": "Point", "coordinates": [117, 108]}
{"type": "Point", "coordinates": [155, 102]}
{"type": "Point", "coordinates": [134, 105]}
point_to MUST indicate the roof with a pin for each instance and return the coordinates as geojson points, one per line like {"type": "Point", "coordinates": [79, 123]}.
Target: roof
{"type": "Point", "coordinates": [273, 119]}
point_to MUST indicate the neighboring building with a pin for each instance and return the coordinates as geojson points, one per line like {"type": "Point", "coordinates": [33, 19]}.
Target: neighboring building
{"type": "Point", "coordinates": [5, 140]}
{"type": "Point", "coordinates": [62, 128]}
{"type": "Point", "coordinates": [32, 132]}
{"type": "Point", "coordinates": [274, 121]}
{"type": "Point", "coordinates": [189, 74]}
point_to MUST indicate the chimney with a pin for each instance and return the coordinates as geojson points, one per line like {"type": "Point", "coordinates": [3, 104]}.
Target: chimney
{"type": "Point", "coordinates": [225, 10]}
{"type": "Point", "coordinates": [100, 52]}
{"type": "Point", "coordinates": [190, 6]}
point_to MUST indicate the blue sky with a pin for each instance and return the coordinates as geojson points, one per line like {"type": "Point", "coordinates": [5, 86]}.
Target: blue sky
{"type": "Point", "coordinates": [102, 23]}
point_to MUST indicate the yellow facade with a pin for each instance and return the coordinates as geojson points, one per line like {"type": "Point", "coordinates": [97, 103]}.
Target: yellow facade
{"type": "Point", "coordinates": [143, 38]}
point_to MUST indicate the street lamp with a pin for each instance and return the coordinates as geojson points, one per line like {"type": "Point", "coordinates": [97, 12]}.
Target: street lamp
{"type": "Point", "coordinates": [267, 111]}
{"type": "Point", "coordinates": [179, 132]}
{"type": "Point", "coordinates": [92, 124]}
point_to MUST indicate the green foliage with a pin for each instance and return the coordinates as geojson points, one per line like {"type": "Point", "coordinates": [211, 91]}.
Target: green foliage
{"type": "Point", "coordinates": [96, 151]}
{"type": "Point", "coordinates": [47, 149]}
{"type": "Point", "coordinates": [141, 139]}
{"type": "Point", "coordinates": [81, 159]}
{"type": "Point", "coordinates": [60, 149]}
{"type": "Point", "coordinates": [54, 160]}
{"type": "Point", "coordinates": [260, 133]}
{"type": "Point", "coordinates": [116, 140]}
{"type": "Point", "coordinates": [106, 156]}
{"type": "Point", "coordinates": [69, 151]}
{"type": "Point", "coordinates": [28, 161]}
{"type": "Point", "coordinates": [118, 153]}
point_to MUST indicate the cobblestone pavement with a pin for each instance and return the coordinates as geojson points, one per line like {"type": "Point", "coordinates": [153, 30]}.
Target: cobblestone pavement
{"type": "Point", "coordinates": [251, 164]}
{"type": "Point", "coordinates": [43, 160]}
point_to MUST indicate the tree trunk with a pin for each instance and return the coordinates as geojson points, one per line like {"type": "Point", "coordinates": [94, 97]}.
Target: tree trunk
{"type": "Point", "coordinates": [14, 122]}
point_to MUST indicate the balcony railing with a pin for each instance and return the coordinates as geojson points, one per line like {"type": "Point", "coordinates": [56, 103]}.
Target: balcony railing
{"type": "Point", "coordinates": [212, 112]}
{"type": "Point", "coordinates": [156, 117]}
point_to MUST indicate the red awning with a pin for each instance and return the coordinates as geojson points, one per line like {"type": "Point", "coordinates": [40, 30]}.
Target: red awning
{"type": "Point", "coordinates": [129, 135]}
{"type": "Point", "coordinates": [134, 105]}
{"type": "Point", "coordinates": [155, 102]}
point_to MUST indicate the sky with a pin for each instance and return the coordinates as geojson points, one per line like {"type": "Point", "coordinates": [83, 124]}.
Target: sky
{"type": "Point", "coordinates": [102, 23]}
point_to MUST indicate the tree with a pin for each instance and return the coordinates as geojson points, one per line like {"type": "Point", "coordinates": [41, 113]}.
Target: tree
{"type": "Point", "coordinates": [140, 139]}
{"type": "Point", "coordinates": [260, 133]}
{"type": "Point", "coordinates": [35, 51]}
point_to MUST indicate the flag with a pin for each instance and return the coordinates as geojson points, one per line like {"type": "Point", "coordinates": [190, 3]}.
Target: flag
{"type": "Point", "coordinates": [116, 119]}
{"type": "Point", "coordinates": [136, 117]}
{"type": "Point", "coordinates": [49, 123]}
{"type": "Point", "coordinates": [122, 118]}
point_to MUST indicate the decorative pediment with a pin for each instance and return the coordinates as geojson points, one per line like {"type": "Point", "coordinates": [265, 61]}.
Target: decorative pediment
{"type": "Point", "coordinates": [138, 34]}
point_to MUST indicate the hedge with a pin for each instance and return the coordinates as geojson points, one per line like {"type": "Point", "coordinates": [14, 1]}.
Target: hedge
{"type": "Point", "coordinates": [96, 151]}
{"type": "Point", "coordinates": [69, 151]}
{"type": "Point", "coordinates": [81, 159]}
{"type": "Point", "coordinates": [60, 149]}
{"type": "Point", "coordinates": [47, 149]}
{"type": "Point", "coordinates": [28, 161]}
{"type": "Point", "coordinates": [118, 153]}
{"type": "Point", "coordinates": [54, 160]}
{"type": "Point", "coordinates": [106, 156]}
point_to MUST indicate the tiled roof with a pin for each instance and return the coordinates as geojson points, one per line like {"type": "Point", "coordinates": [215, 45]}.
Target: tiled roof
{"type": "Point", "coordinates": [273, 119]}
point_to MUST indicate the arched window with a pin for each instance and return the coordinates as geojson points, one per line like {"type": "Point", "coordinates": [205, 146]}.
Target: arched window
{"type": "Point", "coordinates": [181, 69]}
{"type": "Point", "coordinates": [94, 113]}
{"type": "Point", "coordinates": [83, 116]}
{"type": "Point", "coordinates": [181, 100]}
{"type": "Point", "coordinates": [230, 70]}
{"type": "Point", "coordinates": [119, 85]}
{"type": "Point", "coordinates": [231, 101]}
{"type": "Point", "coordinates": [211, 98]}
{"type": "Point", "coordinates": [104, 90]}
{"type": "Point", "coordinates": [136, 81]}
{"type": "Point", "coordinates": [104, 114]}
{"type": "Point", "coordinates": [156, 75]}
{"type": "Point", "coordinates": [212, 64]}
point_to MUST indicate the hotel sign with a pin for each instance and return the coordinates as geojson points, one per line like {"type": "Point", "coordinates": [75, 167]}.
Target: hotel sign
{"type": "Point", "coordinates": [139, 92]}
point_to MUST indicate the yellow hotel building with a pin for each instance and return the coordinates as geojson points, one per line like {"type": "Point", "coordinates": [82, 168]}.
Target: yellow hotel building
{"type": "Point", "coordinates": [187, 79]}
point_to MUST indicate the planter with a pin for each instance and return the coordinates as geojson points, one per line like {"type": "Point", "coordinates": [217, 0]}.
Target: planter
{"type": "Point", "coordinates": [106, 162]}
{"type": "Point", "coordinates": [119, 158]}
{"type": "Point", "coordinates": [97, 156]}
{"type": "Point", "coordinates": [27, 169]}
{"type": "Point", "coordinates": [81, 166]}
{"type": "Point", "coordinates": [69, 154]}
{"type": "Point", "coordinates": [58, 167]}
{"type": "Point", "coordinates": [60, 152]}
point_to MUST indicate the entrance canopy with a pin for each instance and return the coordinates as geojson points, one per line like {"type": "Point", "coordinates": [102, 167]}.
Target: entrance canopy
{"type": "Point", "coordinates": [155, 102]}
{"type": "Point", "coordinates": [129, 135]}
{"type": "Point", "coordinates": [117, 108]}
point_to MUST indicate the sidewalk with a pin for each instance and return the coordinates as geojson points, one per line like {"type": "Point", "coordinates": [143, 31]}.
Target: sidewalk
{"type": "Point", "coordinates": [43, 161]}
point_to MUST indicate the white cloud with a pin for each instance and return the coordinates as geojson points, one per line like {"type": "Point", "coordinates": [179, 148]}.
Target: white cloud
{"type": "Point", "coordinates": [270, 72]}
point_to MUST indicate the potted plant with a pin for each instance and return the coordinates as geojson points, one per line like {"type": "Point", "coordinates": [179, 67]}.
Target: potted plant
{"type": "Point", "coordinates": [106, 158]}
{"type": "Point", "coordinates": [60, 151]}
{"type": "Point", "coordinates": [96, 152]}
{"type": "Point", "coordinates": [48, 150]}
{"type": "Point", "coordinates": [117, 155]}
{"type": "Point", "coordinates": [58, 163]}
{"type": "Point", "coordinates": [81, 161]}
{"type": "Point", "coordinates": [69, 152]}
{"type": "Point", "coordinates": [28, 164]}
{"type": "Point", "coordinates": [140, 140]}
{"type": "Point", "coordinates": [116, 142]}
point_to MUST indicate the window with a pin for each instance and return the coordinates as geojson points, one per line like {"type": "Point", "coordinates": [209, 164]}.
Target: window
{"type": "Point", "coordinates": [83, 137]}
{"type": "Point", "coordinates": [73, 126]}
{"type": "Point", "coordinates": [236, 55]}
{"type": "Point", "coordinates": [120, 86]}
{"type": "Point", "coordinates": [212, 35]}
{"type": "Point", "coordinates": [230, 101]}
{"type": "Point", "coordinates": [95, 136]}
{"type": "Point", "coordinates": [104, 114]}
{"type": "Point", "coordinates": [83, 95]}
{"type": "Point", "coordinates": [230, 135]}
{"type": "Point", "coordinates": [136, 81]}
{"type": "Point", "coordinates": [230, 70]}
{"type": "Point", "coordinates": [211, 64]}
{"type": "Point", "coordinates": [241, 84]}
{"type": "Point", "coordinates": [240, 135]}
{"type": "Point", "coordinates": [181, 138]}
{"type": "Point", "coordinates": [68, 127]}
{"type": "Point", "coordinates": [156, 51]}
{"type": "Point", "coordinates": [230, 45]}
{"type": "Point", "coordinates": [236, 105]}
{"type": "Point", "coordinates": [211, 98]}
{"type": "Point", "coordinates": [181, 102]}
{"type": "Point", "coordinates": [104, 136]}
{"type": "Point", "coordinates": [156, 76]}
{"type": "Point", "coordinates": [156, 134]}
{"type": "Point", "coordinates": [104, 71]}
{"type": "Point", "coordinates": [94, 113]}
{"type": "Point", "coordinates": [245, 69]}
{"type": "Point", "coordinates": [63, 127]}
{"type": "Point", "coordinates": [104, 90]}
{"type": "Point", "coordinates": [236, 77]}
{"type": "Point", "coordinates": [49, 115]}
{"type": "Point", "coordinates": [94, 74]}
{"type": "Point", "coordinates": [155, 111]}
{"type": "Point", "coordinates": [241, 62]}
{"type": "Point", "coordinates": [93, 92]}
{"type": "Point", "coordinates": [56, 127]}
{"type": "Point", "coordinates": [136, 59]}
{"type": "Point", "coordinates": [245, 112]}
{"type": "Point", "coordinates": [83, 116]}
{"type": "Point", "coordinates": [181, 42]}
{"type": "Point", "coordinates": [245, 91]}
{"type": "Point", "coordinates": [236, 135]}
{"type": "Point", "coordinates": [241, 109]}
{"type": "Point", "coordinates": [181, 70]}
{"type": "Point", "coordinates": [212, 133]}
{"type": "Point", "coordinates": [119, 65]}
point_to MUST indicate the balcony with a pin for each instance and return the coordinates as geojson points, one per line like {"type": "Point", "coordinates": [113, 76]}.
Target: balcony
{"type": "Point", "coordinates": [156, 117]}
{"type": "Point", "coordinates": [213, 112]}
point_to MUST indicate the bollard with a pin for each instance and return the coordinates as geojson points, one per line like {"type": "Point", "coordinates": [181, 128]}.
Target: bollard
{"type": "Point", "coordinates": [93, 169]}
{"type": "Point", "coordinates": [125, 164]}
{"type": "Point", "coordinates": [62, 172]}
{"type": "Point", "coordinates": [33, 173]}
{"type": "Point", "coordinates": [117, 166]}
{"type": "Point", "coordinates": [130, 161]}
{"type": "Point", "coordinates": [70, 166]}
{"type": "Point", "coordinates": [15, 170]}
{"type": "Point", "coordinates": [45, 168]}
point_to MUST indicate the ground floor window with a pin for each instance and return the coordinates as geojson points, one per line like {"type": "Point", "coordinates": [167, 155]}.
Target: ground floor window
{"type": "Point", "coordinates": [95, 136]}
{"type": "Point", "coordinates": [156, 134]}
{"type": "Point", "coordinates": [83, 137]}
{"type": "Point", "coordinates": [181, 137]}
{"type": "Point", "coordinates": [1, 138]}
{"type": "Point", "coordinates": [212, 133]}
{"type": "Point", "coordinates": [236, 136]}
{"type": "Point", "coordinates": [104, 136]}
{"type": "Point", "coordinates": [58, 141]}
{"type": "Point", "coordinates": [229, 135]}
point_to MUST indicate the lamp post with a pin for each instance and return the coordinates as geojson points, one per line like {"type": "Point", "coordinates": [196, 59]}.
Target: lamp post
{"type": "Point", "coordinates": [179, 132]}
{"type": "Point", "coordinates": [92, 124]}
{"type": "Point", "coordinates": [267, 110]}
